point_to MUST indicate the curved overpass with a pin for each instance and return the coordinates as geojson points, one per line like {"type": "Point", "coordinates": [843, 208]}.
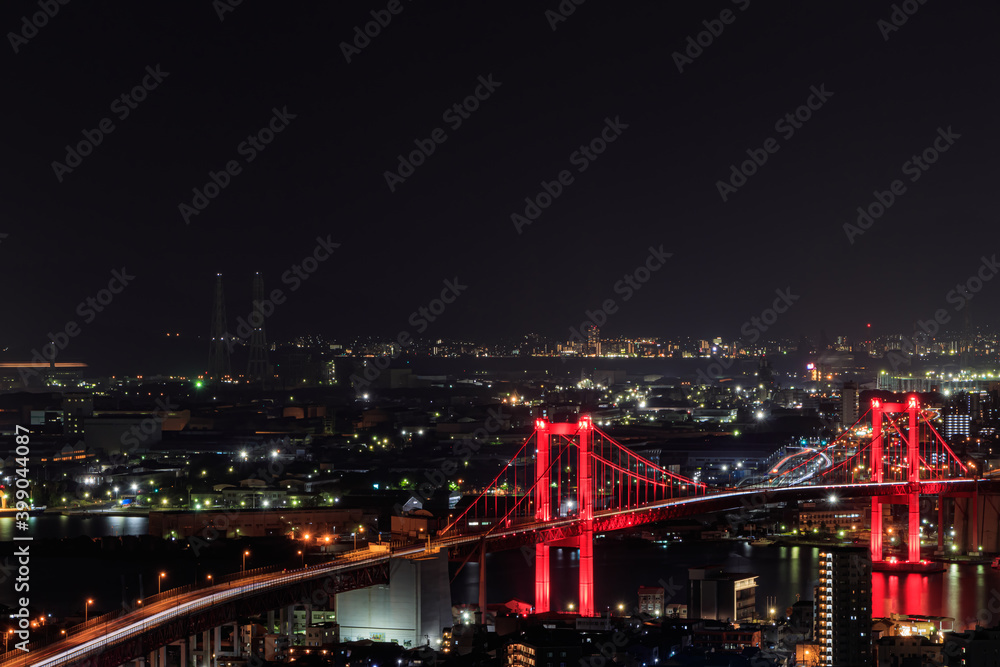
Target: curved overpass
{"type": "Point", "coordinates": [141, 631]}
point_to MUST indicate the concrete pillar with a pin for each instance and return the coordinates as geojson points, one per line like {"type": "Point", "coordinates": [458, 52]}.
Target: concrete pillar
{"type": "Point", "coordinates": [216, 641]}
{"type": "Point", "coordinates": [206, 648]}
{"type": "Point", "coordinates": [961, 506]}
{"type": "Point", "coordinates": [237, 640]}
{"type": "Point", "coordinates": [991, 522]}
{"type": "Point", "coordinates": [270, 622]}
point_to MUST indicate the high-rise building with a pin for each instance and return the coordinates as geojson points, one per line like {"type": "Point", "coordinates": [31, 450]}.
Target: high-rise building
{"type": "Point", "coordinates": [721, 596]}
{"type": "Point", "coordinates": [593, 341]}
{"type": "Point", "coordinates": [844, 607]}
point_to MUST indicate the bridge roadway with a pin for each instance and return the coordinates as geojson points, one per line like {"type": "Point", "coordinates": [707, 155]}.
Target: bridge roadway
{"type": "Point", "coordinates": [92, 642]}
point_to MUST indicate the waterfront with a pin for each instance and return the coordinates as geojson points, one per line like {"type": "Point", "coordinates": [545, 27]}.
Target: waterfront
{"type": "Point", "coordinates": [786, 573]}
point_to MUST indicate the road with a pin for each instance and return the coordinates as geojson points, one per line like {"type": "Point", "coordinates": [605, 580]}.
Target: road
{"type": "Point", "coordinates": [92, 640]}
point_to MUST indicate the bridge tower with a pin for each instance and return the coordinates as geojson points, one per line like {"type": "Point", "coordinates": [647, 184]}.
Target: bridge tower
{"type": "Point", "coordinates": [912, 496]}
{"type": "Point", "coordinates": [583, 431]}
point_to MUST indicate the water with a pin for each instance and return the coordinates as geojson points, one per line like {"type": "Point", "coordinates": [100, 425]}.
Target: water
{"type": "Point", "coordinates": [55, 526]}
{"type": "Point", "coordinates": [785, 574]}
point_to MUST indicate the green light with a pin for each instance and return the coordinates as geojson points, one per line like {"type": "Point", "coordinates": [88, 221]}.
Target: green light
{"type": "Point", "coordinates": [198, 384]}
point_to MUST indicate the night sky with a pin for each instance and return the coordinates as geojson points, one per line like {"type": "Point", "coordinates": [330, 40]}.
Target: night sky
{"type": "Point", "coordinates": [323, 175]}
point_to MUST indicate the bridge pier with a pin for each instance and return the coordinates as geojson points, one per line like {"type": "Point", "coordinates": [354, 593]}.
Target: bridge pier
{"type": "Point", "coordinates": [875, 541]}
{"type": "Point", "coordinates": [542, 601]}
{"type": "Point", "coordinates": [913, 529]}
{"type": "Point", "coordinates": [201, 652]}
{"type": "Point", "coordinates": [976, 522]}
{"type": "Point", "coordinates": [412, 609]}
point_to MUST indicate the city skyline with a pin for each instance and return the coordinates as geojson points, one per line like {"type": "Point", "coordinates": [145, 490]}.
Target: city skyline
{"type": "Point", "coordinates": [301, 131]}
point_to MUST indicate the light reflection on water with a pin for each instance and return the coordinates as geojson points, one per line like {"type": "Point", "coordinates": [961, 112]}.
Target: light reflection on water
{"type": "Point", "coordinates": [785, 573]}
{"type": "Point", "coordinates": [55, 526]}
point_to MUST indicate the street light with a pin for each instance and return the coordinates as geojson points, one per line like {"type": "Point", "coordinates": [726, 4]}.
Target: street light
{"type": "Point", "coordinates": [209, 580]}
{"type": "Point", "coordinates": [159, 582]}
{"type": "Point", "coordinates": [244, 568]}
{"type": "Point", "coordinates": [6, 637]}
{"type": "Point", "coordinates": [86, 610]}
{"type": "Point", "coordinates": [360, 529]}
{"type": "Point", "coordinates": [303, 558]}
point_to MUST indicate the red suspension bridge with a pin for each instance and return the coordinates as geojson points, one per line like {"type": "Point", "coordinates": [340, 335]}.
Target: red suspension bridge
{"type": "Point", "coordinates": [570, 479]}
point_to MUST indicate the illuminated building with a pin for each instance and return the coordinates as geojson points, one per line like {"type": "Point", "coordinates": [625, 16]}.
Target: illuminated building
{"type": "Point", "coordinates": [844, 607]}
{"type": "Point", "coordinates": [76, 407]}
{"type": "Point", "coordinates": [651, 600]}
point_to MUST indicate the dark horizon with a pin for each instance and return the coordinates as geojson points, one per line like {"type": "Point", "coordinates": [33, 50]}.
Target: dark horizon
{"type": "Point", "coordinates": [331, 120]}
